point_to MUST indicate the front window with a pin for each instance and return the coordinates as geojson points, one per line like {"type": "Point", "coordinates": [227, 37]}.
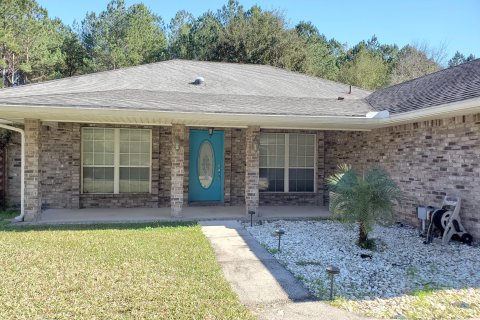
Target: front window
{"type": "Point", "coordinates": [116, 160]}
{"type": "Point", "coordinates": [287, 162]}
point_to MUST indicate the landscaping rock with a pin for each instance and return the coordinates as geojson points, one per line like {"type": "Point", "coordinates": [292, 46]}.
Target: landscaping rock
{"type": "Point", "coordinates": [404, 264]}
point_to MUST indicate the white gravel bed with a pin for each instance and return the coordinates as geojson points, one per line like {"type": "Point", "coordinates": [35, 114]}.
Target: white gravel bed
{"type": "Point", "coordinates": [402, 264]}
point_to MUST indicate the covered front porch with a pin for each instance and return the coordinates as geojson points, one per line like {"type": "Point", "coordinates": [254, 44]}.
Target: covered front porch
{"type": "Point", "coordinates": [111, 215]}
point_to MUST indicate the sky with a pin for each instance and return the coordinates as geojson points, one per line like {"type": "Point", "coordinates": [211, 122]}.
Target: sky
{"type": "Point", "coordinates": [454, 24]}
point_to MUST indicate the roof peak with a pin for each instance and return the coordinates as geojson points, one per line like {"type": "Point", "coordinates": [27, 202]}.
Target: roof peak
{"type": "Point", "coordinates": [364, 92]}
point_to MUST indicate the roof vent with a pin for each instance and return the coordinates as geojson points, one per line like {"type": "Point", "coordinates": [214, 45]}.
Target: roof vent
{"type": "Point", "coordinates": [198, 81]}
{"type": "Point", "coordinates": [340, 98]}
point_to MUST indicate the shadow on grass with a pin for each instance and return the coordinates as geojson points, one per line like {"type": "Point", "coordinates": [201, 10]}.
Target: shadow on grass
{"type": "Point", "coordinates": [7, 216]}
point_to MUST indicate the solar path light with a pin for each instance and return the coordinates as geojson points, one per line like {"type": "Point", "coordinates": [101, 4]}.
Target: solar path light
{"type": "Point", "coordinates": [251, 213]}
{"type": "Point", "coordinates": [332, 272]}
{"type": "Point", "coordinates": [279, 233]}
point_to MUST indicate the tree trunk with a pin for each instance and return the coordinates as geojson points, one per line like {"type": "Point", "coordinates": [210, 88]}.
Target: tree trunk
{"type": "Point", "coordinates": [362, 234]}
{"type": "Point", "coordinates": [13, 69]}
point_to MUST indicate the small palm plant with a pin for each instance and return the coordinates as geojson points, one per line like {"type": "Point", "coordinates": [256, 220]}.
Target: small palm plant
{"type": "Point", "coordinates": [363, 199]}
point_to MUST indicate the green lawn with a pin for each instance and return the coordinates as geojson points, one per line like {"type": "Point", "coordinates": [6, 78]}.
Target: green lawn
{"type": "Point", "coordinates": [112, 272]}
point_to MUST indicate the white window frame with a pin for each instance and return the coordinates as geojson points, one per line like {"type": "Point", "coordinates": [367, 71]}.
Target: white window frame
{"type": "Point", "coordinates": [286, 182]}
{"type": "Point", "coordinates": [116, 164]}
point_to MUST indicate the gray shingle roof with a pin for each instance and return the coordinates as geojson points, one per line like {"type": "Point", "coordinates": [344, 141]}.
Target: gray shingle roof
{"type": "Point", "coordinates": [228, 88]}
{"type": "Point", "coordinates": [207, 103]}
{"type": "Point", "coordinates": [454, 84]}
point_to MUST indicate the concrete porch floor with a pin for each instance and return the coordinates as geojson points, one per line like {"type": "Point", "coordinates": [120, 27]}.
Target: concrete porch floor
{"type": "Point", "coordinates": [101, 215]}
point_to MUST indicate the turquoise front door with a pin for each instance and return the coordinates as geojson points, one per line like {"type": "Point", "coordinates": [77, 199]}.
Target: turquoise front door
{"type": "Point", "coordinates": [206, 166]}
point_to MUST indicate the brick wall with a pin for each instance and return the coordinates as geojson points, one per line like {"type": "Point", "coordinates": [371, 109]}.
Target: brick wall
{"type": "Point", "coordinates": [179, 134]}
{"type": "Point", "coordinates": [252, 158]}
{"type": "Point", "coordinates": [57, 163]}
{"type": "Point", "coordinates": [165, 164]}
{"type": "Point", "coordinates": [227, 166]}
{"type": "Point", "coordinates": [60, 171]}
{"type": "Point", "coordinates": [61, 168]}
{"type": "Point", "coordinates": [427, 159]}
{"type": "Point", "coordinates": [13, 171]}
{"type": "Point", "coordinates": [33, 174]}
{"type": "Point", "coordinates": [237, 182]}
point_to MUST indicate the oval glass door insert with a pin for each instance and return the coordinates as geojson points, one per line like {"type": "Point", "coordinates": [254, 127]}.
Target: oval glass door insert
{"type": "Point", "coordinates": [206, 164]}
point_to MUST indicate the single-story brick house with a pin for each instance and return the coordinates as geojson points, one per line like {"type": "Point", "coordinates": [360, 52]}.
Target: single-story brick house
{"type": "Point", "coordinates": [185, 133]}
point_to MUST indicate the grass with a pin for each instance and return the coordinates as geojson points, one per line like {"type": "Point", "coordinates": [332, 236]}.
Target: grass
{"type": "Point", "coordinates": [308, 263]}
{"type": "Point", "coordinates": [6, 216]}
{"type": "Point", "coordinates": [128, 271]}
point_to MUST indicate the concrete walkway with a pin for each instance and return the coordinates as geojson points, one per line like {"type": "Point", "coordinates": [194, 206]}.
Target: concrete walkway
{"type": "Point", "coordinates": [261, 283]}
{"type": "Point", "coordinates": [114, 215]}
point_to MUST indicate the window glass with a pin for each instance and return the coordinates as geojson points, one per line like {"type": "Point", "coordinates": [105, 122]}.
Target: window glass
{"type": "Point", "coordinates": [272, 162]}
{"type": "Point", "coordinates": [99, 154]}
{"type": "Point", "coordinates": [134, 179]}
{"type": "Point", "coordinates": [134, 160]}
{"type": "Point", "coordinates": [98, 169]}
{"type": "Point", "coordinates": [301, 162]}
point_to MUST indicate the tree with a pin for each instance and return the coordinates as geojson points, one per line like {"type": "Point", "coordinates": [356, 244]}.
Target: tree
{"type": "Point", "coordinates": [413, 62]}
{"type": "Point", "coordinates": [74, 54]}
{"type": "Point", "coordinates": [121, 37]}
{"type": "Point", "coordinates": [204, 37]}
{"type": "Point", "coordinates": [459, 58]}
{"type": "Point", "coordinates": [258, 37]}
{"type": "Point", "coordinates": [365, 70]}
{"type": "Point", "coordinates": [363, 199]}
{"type": "Point", "coordinates": [180, 28]}
{"type": "Point", "coordinates": [29, 43]}
{"type": "Point", "coordinates": [320, 60]}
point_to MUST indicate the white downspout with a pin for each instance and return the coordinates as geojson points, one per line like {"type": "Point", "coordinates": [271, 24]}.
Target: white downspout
{"type": "Point", "coordinates": [22, 174]}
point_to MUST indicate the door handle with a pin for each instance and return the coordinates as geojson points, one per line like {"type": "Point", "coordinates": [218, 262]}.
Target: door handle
{"type": "Point", "coordinates": [219, 171]}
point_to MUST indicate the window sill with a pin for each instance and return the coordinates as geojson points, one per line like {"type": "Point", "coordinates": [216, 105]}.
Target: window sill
{"type": "Point", "coordinates": [116, 194]}
{"type": "Point", "coordinates": [290, 192]}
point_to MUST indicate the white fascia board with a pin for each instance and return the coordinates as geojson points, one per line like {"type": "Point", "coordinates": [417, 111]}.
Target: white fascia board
{"type": "Point", "coordinates": [166, 118]}
{"type": "Point", "coordinates": [465, 107]}
{"type": "Point", "coordinates": [152, 117]}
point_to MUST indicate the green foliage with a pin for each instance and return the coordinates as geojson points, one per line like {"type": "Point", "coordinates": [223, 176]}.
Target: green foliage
{"type": "Point", "coordinates": [34, 47]}
{"type": "Point", "coordinates": [179, 40]}
{"type": "Point", "coordinates": [308, 263]}
{"type": "Point", "coordinates": [30, 43]}
{"type": "Point", "coordinates": [74, 54]}
{"type": "Point", "coordinates": [412, 63]}
{"type": "Point", "coordinates": [459, 58]}
{"type": "Point", "coordinates": [365, 70]}
{"type": "Point", "coordinates": [368, 244]}
{"type": "Point", "coordinates": [362, 198]}
{"type": "Point", "coordinates": [273, 250]}
{"type": "Point", "coordinates": [121, 37]}
{"type": "Point", "coordinates": [320, 59]}
{"type": "Point", "coordinates": [258, 37]}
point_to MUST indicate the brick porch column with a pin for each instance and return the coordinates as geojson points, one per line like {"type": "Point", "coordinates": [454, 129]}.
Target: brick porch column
{"type": "Point", "coordinates": [252, 161]}
{"type": "Point", "coordinates": [177, 171]}
{"type": "Point", "coordinates": [33, 195]}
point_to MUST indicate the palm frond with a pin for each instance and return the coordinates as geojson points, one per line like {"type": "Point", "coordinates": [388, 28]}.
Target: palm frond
{"type": "Point", "coordinates": [366, 198]}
